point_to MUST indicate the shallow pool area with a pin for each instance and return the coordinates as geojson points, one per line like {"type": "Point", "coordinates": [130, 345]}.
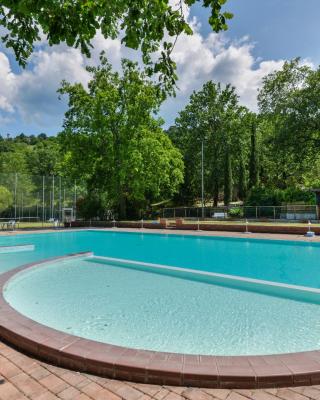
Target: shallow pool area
{"type": "Point", "coordinates": [143, 310]}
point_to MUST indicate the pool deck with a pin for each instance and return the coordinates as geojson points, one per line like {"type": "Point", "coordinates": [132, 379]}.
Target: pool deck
{"type": "Point", "coordinates": [271, 236]}
{"type": "Point", "coordinates": [24, 377]}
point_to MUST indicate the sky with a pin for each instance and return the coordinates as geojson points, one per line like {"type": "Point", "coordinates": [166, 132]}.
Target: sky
{"type": "Point", "coordinates": [261, 36]}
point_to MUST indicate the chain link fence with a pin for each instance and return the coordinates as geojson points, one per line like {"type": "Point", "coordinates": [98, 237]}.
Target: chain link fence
{"type": "Point", "coordinates": [40, 200]}
{"type": "Point", "coordinates": [36, 199]}
{"type": "Point", "coordinates": [299, 212]}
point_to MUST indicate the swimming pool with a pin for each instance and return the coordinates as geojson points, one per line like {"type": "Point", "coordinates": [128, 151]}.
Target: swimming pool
{"type": "Point", "coordinates": [140, 308]}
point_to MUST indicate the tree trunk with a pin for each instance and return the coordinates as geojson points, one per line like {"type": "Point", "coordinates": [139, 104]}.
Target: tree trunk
{"type": "Point", "coordinates": [122, 207]}
{"type": "Point", "coordinates": [215, 192]}
{"type": "Point", "coordinates": [254, 160]}
{"type": "Point", "coordinates": [242, 188]}
{"type": "Point", "coordinates": [215, 180]}
{"type": "Point", "coordinates": [227, 179]}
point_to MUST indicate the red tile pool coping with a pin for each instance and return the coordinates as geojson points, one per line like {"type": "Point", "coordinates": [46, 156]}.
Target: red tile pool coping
{"type": "Point", "coordinates": [64, 350]}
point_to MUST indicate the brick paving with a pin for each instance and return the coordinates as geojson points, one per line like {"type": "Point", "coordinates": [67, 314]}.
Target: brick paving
{"type": "Point", "coordinates": [23, 378]}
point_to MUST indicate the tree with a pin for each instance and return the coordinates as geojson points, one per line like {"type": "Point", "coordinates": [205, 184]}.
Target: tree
{"type": "Point", "coordinates": [142, 24]}
{"type": "Point", "coordinates": [289, 103]}
{"type": "Point", "coordinates": [254, 156]}
{"type": "Point", "coordinates": [6, 199]}
{"type": "Point", "coordinates": [227, 179]}
{"type": "Point", "coordinates": [213, 116]}
{"type": "Point", "coordinates": [44, 158]}
{"type": "Point", "coordinates": [113, 141]}
{"type": "Point", "coordinates": [242, 183]}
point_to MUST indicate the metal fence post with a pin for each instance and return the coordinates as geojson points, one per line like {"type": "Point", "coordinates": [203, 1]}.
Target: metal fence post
{"type": "Point", "coordinates": [52, 213]}
{"type": "Point", "coordinates": [43, 205]}
{"type": "Point", "coordinates": [60, 200]}
{"type": "Point", "coordinates": [75, 200]}
{"type": "Point", "coordinates": [15, 195]}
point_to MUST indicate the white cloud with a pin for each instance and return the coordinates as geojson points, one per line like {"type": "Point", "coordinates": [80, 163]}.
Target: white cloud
{"type": "Point", "coordinates": [215, 58]}
{"type": "Point", "coordinates": [7, 85]}
{"type": "Point", "coordinates": [31, 94]}
{"type": "Point", "coordinates": [36, 88]}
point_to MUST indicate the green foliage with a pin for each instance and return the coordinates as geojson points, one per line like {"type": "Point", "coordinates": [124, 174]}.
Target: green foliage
{"type": "Point", "coordinates": [235, 212]}
{"type": "Point", "coordinates": [242, 191]}
{"type": "Point", "coordinates": [113, 141]}
{"type": "Point", "coordinates": [143, 24]}
{"type": "Point", "coordinates": [213, 116]}
{"type": "Point", "coordinates": [227, 178]}
{"type": "Point", "coordinates": [6, 199]}
{"type": "Point", "coordinates": [289, 104]}
{"type": "Point", "coordinates": [275, 197]}
{"type": "Point", "coordinates": [45, 158]}
{"type": "Point", "coordinates": [254, 153]}
{"type": "Point", "coordinates": [94, 204]}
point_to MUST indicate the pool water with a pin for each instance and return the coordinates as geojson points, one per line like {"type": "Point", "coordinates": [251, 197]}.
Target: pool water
{"type": "Point", "coordinates": [143, 310]}
{"type": "Point", "coordinates": [289, 262]}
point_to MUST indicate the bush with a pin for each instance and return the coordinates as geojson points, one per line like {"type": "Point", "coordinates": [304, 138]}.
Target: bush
{"type": "Point", "coordinates": [275, 197]}
{"type": "Point", "coordinates": [236, 212]}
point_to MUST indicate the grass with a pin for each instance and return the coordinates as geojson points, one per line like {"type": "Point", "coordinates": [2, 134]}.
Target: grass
{"type": "Point", "coordinates": [35, 225]}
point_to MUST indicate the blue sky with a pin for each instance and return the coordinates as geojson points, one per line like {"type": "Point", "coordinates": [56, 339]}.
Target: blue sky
{"type": "Point", "coordinates": [262, 34]}
{"type": "Point", "coordinates": [280, 28]}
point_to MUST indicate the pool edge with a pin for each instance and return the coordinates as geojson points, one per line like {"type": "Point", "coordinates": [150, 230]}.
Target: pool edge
{"type": "Point", "coordinates": [147, 366]}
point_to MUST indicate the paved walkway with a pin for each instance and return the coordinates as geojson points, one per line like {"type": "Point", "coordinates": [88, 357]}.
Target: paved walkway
{"type": "Point", "coordinates": [272, 236]}
{"type": "Point", "coordinates": [22, 378]}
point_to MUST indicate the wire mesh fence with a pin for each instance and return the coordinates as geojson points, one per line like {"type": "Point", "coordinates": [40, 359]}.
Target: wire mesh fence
{"type": "Point", "coordinates": [290, 212]}
{"type": "Point", "coordinates": [27, 198]}
{"type": "Point", "coordinates": [41, 200]}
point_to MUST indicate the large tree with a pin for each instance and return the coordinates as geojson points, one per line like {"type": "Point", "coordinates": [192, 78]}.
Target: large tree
{"type": "Point", "coordinates": [114, 142]}
{"type": "Point", "coordinates": [289, 104]}
{"type": "Point", "coordinates": [214, 117]}
{"type": "Point", "coordinates": [142, 24]}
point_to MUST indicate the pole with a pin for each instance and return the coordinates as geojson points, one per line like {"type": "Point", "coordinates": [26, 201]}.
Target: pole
{"type": "Point", "coordinates": [75, 200]}
{"type": "Point", "coordinates": [43, 216]}
{"type": "Point", "coordinates": [202, 180]}
{"type": "Point", "coordinates": [15, 196]}
{"type": "Point", "coordinates": [60, 200]}
{"type": "Point", "coordinates": [52, 215]}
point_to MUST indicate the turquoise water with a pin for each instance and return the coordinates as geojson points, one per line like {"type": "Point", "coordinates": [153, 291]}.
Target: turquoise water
{"type": "Point", "coordinates": [285, 262]}
{"type": "Point", "coordinates": [139, 309]}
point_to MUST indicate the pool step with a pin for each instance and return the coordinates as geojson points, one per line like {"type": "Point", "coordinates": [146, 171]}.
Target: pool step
{"type": "Point", "coordinates": [276, 289]}
{"type": "Point", "coordinates": [17, 248]}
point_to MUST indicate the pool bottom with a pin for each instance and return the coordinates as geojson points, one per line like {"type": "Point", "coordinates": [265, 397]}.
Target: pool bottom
{"type": "Point", "coordinates": [153, 367]}
{"type": "Point", "coordinates": [143, 310]}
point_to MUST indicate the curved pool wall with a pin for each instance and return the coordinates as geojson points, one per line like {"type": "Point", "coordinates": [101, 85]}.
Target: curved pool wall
{"type": "Point", "coordinates": [162, 368]}
{"type": "Point", "coordinates": [288, 262]}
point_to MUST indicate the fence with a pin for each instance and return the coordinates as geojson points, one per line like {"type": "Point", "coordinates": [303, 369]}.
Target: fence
{"type": "Point", "coordinates": [30, 198]}
{"type": "Point", "coordinates": [290, 212]}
